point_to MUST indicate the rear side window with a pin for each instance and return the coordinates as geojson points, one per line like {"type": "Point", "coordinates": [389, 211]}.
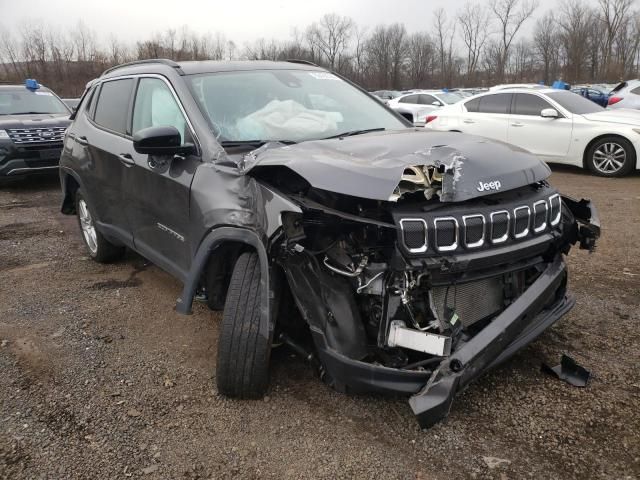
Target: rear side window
{"type": "Point", "coordinates": [112, 108]}
{"type": "Point", "coordinates": [472, 105]}
{"type": "Point", "coordinates": [409, 99]}
{"type": "Point", "coordinates": [526, 104]}
{"type": "Point", "coordinates": [427, 99]}
{"type": "Point", "coordinates": [498, 103]}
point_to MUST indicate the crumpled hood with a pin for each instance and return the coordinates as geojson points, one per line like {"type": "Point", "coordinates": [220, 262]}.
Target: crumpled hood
{"type": "Point", "coordinates": [372, 165]}
{"type": "Point", "coordinates": [34, 121]}
{"type": "Point", "coordinates": [627, 116]}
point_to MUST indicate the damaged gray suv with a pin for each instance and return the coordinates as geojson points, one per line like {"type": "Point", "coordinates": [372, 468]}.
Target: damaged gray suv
{"type": "Point", "coordinates": [393, 259]}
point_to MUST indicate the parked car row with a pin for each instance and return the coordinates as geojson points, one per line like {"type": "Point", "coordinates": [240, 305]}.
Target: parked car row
{"type": "Point", "coordinates": [556, 125]}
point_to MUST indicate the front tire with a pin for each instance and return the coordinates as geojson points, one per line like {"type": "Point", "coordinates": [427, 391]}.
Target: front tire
{"type": "Point", "coordinates": [100, 249]}
{"type": "Point", "coordinates": [611, 157]}
{"type": "Point", "coordinates": [243, 353]}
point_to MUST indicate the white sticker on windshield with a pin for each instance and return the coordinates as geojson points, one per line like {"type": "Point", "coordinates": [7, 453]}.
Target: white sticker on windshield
{"type": "Point", "coordinates": [323, 76]}
{"type": "Point", "coordinates": [47, 94]}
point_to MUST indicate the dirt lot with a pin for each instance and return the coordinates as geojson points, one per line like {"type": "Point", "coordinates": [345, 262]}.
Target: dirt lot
{"type": "Point", "coordinates": [100, 378]}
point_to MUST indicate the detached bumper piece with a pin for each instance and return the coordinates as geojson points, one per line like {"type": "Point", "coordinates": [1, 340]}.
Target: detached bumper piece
{"type": "Point", "coordinates": [519, 324]}
{"type": "Point", "coordinates": [569, 371]}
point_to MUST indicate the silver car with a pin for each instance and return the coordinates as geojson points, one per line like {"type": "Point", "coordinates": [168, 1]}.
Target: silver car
{"type": "Point", "coordinates": [625, 95]}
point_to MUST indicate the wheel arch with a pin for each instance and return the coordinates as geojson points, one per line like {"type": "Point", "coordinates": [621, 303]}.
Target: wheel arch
{"type": "Point", "coordinates": [70, 184]}
{"type": "Point", "coordinates": [242, 239]}
{"type": "Point", "coordinates": [600, 137]}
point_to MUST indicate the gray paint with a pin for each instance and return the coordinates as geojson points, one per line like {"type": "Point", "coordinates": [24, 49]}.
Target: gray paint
{"type": "Point", "coordinates": [371, 165]}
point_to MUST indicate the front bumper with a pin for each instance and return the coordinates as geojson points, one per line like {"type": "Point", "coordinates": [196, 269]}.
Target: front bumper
{"type": "Point", "coordinates": [17, 161]}
{"type": "Point", "coordinates": [542, 304]}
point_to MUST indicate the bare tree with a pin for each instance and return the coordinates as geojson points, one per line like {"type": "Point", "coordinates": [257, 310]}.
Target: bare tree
{"type": "Point", "coordinates": [474, 21]}
{"type": "Point", "coordinates": [421, 52]}
{"type": "Point", "coordinates": [331, 37]}
{"type": "Point", "coordinates": [510, 14]}
{"type": "Point", "coordinates": [546, 44]}
{"type": "Point", "coordinates": [445, 34]}
{"type": "Point", "coordinates": [576, 22]}
{"type": "Point", "coordinates": [614, 15]}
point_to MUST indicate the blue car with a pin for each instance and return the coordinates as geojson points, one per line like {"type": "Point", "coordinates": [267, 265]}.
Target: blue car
{"type": "Point", "coordinates": [594, 94]}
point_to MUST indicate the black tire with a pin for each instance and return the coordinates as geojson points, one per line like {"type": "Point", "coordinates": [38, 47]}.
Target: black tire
{"type": "Point", "coordinates": [243, 354]}
{"type": "Point", "coordinates": [597, 155]}
{"type": "Point", "coordinates": [100, 249]}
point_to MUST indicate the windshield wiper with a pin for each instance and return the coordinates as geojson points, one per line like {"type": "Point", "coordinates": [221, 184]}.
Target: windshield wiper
{"type": "Point", "coordinates": [355, 132]}
{"type": "Point", "coordinates": [30, 113]}
{"type": "Point", "coordinates": [252, 143]}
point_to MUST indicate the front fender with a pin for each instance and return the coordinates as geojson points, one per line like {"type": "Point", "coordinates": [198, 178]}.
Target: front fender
{"type": "Point", "coordinates": [214, 239]}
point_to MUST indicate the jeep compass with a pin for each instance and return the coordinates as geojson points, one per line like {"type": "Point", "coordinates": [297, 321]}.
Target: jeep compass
{"type": "Point", "coordinates": [392, 259]}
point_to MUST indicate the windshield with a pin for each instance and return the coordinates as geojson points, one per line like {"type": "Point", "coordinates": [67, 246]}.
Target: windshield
{"type": "Point", "coordinates": [16, 102]}
{"type": "Point", "coordinates": [575, 103]}
{"type": "Point", "coordinates": [291, 105]}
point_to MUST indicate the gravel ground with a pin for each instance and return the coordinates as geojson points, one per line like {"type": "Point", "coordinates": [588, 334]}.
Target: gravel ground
{"type": "Point", "coordinates": [101, 379]}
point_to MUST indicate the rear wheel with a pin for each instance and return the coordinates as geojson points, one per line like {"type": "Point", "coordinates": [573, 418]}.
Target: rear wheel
{"type": "Point", "coordinates": [100, 249]}
{"type": "Point", "coordinates": [243, 352]}
{"type": "Point", "coordinates": [611, 157]}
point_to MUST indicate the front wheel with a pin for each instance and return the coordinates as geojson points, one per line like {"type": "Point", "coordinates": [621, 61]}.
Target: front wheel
{"type": "Point", "coordinates": [243, 351]}
{"type": "Point", "coordinates": [611, 157]}
{"type": "Point", "coordinates": [100, 249]}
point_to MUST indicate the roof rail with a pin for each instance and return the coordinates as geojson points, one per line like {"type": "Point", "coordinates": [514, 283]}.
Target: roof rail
{"type": "Point", "coordinates": [303, 62]}
{"type": "Point", "coordinates": [163, 61]}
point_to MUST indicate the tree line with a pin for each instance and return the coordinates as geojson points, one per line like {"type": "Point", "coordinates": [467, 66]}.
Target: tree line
{"type": "Point", "coordinates": [480, 45]}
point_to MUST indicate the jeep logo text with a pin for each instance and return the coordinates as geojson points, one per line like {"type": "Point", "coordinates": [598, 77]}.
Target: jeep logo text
{"type": "Point", "coordinates": [495, 185]}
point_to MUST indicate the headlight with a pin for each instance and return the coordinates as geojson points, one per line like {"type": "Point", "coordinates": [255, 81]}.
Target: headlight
{"type": "Point", "coordinates": [4, 135]}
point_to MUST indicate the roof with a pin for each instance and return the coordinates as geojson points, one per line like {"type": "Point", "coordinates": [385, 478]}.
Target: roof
{"type": "Point", "coordinates": [206, 66]}
{"type": "Point", "coordinates": [18, 86]}
{"type": "Point", "coordinates": [524, 90]}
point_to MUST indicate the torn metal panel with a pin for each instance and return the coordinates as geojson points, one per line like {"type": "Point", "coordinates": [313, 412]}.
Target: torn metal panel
{"type": "Point", "coordinates": [372, 166]}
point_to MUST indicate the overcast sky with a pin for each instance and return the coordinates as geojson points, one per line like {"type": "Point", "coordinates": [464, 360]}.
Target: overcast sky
{"type": "Point", "coordinates": [238, 20]}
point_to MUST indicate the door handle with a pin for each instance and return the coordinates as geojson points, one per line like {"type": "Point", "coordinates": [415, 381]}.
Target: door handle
{"type": "Point", "coordinates": [517, 124]}
{"type": "Point", "coordinates": [126, 160]}
{"type": "Point", "coordinates": [81, 140]}
{"type": "Point", "coordinates": [468, 121]}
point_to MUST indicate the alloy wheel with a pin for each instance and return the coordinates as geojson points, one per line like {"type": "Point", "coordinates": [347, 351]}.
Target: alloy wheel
{"type": "Point", "coordinates": [609, 158]}
{"type": "Point", "coordinates": [88, 229]}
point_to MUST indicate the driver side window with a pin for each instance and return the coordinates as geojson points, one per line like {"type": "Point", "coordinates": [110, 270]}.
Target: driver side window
{"type": "Point", "coordinates": [155, 106]}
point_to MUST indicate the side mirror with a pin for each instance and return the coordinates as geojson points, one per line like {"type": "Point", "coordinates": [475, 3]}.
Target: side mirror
{"type": "Point", "coordinates": [160, 141]}
{"type": "Point", "coordinates": [549, 113]}
{"type": "Point", "coordinates": [436, 103]}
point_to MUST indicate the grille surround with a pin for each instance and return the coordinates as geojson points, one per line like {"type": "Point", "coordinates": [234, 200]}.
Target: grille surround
{"type": "Point", "coordinates": [38, 135]}
{"type": "Point", "coordinates": [421, 221]}
{"type": "Point", "coordinates": [543, 225]}
{"type": "Point", "coordinates": [553, 221]}
{"type": "Point", "coordinates": [481, 226]}
{"type": "Point", "coordinates": [456, 229]}
{"type": "Point", "coordinates": [504, 237]}
{"type": "Point", "coordinates": [477, 243]}
{"type": "Point", "coordinates": [524, 232]}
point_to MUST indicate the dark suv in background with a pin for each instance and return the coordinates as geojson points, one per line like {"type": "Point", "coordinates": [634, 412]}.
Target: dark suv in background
{"type": "Point", "coordinates": [32, 124]}
{"type": "Point", "coordinates": [393, 259]}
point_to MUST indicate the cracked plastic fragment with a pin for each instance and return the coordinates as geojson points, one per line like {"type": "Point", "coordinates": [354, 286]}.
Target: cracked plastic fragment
{"type": "Point", "coordinates": [569, 371]}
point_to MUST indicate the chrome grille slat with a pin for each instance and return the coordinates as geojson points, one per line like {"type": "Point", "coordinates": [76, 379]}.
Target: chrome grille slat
{"type": "Point", "coordinates": [537, 228]}
{"type": "Point", "coordinates": [453, 223]}
{"type": "Point", "coordinates": [466, 221]}
{"type": "Point", "coordinates": [520, 233]}
{"type": "Point", "coordinates": [25, 136]}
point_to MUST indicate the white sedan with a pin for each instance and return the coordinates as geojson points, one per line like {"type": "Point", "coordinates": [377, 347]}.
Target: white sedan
{"type": "Point", "coordinates": [416, 105]}
{"type": "Point", "coordinates": [557, 125]}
